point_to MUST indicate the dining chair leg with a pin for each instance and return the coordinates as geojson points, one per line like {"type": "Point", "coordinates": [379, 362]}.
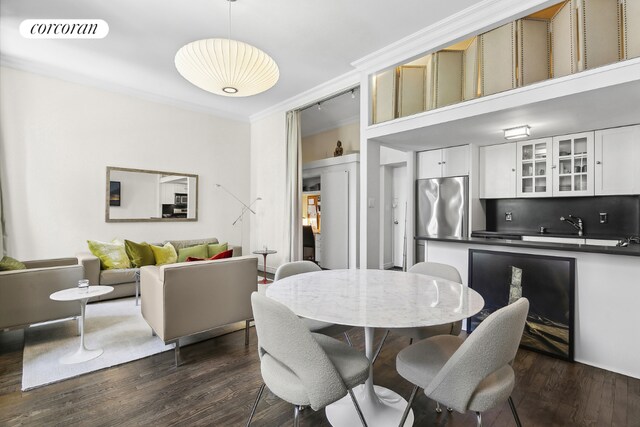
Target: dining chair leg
{"type": "Point", "coordinates": [246, 331]}
{"type": "Point", "coordinates": [346, 336]}
{"type": "Point", "coordinates": [358, 410]}
{"type": "Point", "coordinates": [296, 416]}
{"type": "Point", "coordinates": [405, 414]}
{"type": "Point", "coordinates": [255, 404]}
{"type": "Point", "coordinates": [479, 418]}
{"type": "Point", "coordinates": [375, 355]}
{"type": "Point", "coordinates": [514, 412]}
{"type": "Point", "coordinates": [410, 341]}
{"type": "Point", "coordinates": [438, 408]}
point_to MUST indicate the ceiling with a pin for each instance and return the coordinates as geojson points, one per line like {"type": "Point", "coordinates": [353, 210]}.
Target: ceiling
{"type": "Point", "coordinates": [332, 113]}
{"type": "Point", "coordinates": [312, 41]}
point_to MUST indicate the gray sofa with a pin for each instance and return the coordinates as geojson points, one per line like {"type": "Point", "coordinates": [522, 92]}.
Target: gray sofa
{"type": "Point", "coordinates": [124, 280]}
{"type": "Point", "coordinates": [183, 299]}
{"type": "Point", "coordinates": [24, 294]}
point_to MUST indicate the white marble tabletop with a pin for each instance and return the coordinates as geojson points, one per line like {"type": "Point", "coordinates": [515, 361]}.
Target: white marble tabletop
{"type": "Point", "coordinates": [376, 298]}
{"type": "Point", "coordinates": [74, 294]}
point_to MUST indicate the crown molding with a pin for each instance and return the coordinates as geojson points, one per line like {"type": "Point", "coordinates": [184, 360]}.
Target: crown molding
{"type": "Point", "coordinates": [473, 20]}
{"type": "Point", "coordinates": [70, 77]}
{"type": "Point", "coordinates": [315, 94]}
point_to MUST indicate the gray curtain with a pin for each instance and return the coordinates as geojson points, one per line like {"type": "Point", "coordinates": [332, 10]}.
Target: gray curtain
{"type": "Point", "coordinates": [294, 185]}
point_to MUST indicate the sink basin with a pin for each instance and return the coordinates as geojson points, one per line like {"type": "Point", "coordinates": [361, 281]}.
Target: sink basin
{"type": "Point", "coordinates": [571, 240]}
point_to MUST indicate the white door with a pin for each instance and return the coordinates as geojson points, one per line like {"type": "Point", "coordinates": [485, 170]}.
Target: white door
{"type": "Point", "coordinates": [335, 219]}
{"type": "Point", "coordinates": [455, 161]}
{"type": "Point", "coordinates": [617, 155]}
{"type": "Point", "coordinates": [399, 204]}
{"type": "Point", "coordinates": [498, 171]}
{"type": "Point", "coordinates": [430, 164]}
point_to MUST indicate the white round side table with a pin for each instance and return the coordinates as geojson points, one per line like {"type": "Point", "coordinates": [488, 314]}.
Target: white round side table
{"type": "Point", "coordinates": [83, 354]}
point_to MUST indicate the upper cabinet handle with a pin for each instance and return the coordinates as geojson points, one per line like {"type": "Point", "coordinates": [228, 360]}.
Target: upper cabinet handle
{"type": "Point", "coordinates": [439, 163]}
{"type": "Point", "coordinates": [598, 162]}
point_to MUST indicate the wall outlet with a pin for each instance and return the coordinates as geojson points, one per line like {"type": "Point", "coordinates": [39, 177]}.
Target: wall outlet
{"type": "Point", "coordinates": [604, 217]}
{"type": "Point", "coordinates": [508, 216]}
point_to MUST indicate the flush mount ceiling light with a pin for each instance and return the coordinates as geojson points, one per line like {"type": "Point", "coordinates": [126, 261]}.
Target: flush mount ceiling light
{"type": "Point", "coordinates": [227, 67]}
{"type": "Point", "coordinates": [517, 132]}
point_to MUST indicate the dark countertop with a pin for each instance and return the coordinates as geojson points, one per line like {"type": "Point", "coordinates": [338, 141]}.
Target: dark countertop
{"type": "Point", "coordinates": [631, 250]}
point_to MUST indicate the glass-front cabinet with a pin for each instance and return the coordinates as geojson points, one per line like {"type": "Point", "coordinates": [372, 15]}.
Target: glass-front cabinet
{"type": "Point", "coordinates": [534, 168]}
{"type": "Point", "coordinates": [573, 165]}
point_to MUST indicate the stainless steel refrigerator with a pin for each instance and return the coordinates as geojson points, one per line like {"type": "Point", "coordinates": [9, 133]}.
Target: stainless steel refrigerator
{"type": "Point", "coordinates": [442, 207]}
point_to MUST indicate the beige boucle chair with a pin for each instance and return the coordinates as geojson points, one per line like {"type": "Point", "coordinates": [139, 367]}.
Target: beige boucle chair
{"type": "Point", "coordinates": [468, 375]}
{"type": "Point", "coordinates": [300, 367]}
{"type": "Point", "coordinates": [317, 326]}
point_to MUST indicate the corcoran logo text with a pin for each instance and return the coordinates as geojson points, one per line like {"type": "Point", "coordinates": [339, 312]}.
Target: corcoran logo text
{"type": "Point", "coordinates": [64, 28]}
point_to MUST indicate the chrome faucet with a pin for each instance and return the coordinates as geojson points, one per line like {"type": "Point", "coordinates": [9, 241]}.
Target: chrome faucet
{"type": "Point", "coordinates": [575, 221]}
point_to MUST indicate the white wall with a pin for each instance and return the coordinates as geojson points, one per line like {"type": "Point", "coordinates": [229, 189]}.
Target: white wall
{"type": "Point", "coordinates": [323, 144]}
{"type": "Point", "coordinates": [57, 138]}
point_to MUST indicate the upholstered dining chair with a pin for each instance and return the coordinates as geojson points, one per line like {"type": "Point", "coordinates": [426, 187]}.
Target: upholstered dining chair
{"type": "Point", "coordinates": [317, 326]}
{"type": "Point", "coordinates": [468, 375]}
{"type": "Point", "coordinates": [300, 367]}
{"type": "Point", "coordinates": [435, 269]}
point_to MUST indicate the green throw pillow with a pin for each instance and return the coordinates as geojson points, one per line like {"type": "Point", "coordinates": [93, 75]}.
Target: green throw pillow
{"type": "Point", "coordinates": [140, 254]}
{"type": "Point", "coordinates": [217, 248]}
{"type": "Point", "coordinates": [8, 264]}
{"type": "Point", "coordinates": [112, 255]}
{"type": "Point", "coordinates": [164, 254]}
{"type": "Point", "coordinates": [199, 251]}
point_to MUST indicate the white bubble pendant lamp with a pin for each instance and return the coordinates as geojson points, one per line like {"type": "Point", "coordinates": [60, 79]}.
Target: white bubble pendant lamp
{"type": "Point", "coordinates": [227, 67]}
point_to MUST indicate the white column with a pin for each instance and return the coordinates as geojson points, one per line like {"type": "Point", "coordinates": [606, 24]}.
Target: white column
{"type": "Point", "coordinates": [411, 208]}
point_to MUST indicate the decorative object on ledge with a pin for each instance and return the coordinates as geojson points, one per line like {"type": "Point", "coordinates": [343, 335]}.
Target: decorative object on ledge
{"type": "Point", "coordinates": [338, 151]}
{"type": "Point", "coordinates": [227, 67]}
{"type": "Point", "coordinates": [548, 282]}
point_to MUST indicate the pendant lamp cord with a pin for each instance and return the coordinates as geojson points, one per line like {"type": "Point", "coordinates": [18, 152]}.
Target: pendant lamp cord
{"type": "Point", "coordinates": [229, 34]}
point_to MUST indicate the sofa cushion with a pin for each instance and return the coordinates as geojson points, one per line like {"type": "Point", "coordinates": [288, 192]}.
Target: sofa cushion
{"type": "Point", "coordinates": [112, 255]}
{"type": "Point", "coordinates": [116, 277]}
{"type": "Point", "coordinates": [179, 244]}
{"type": "Point", "coordinates": [223, 255]}
{"type": "Point", "coordinates": [140, 254]}
{"type": "Point", "coordinates": [199, 251]}
{"type": "Point", "coordinates": [164, 254]}
{"type": "Point", "coordinates": [216, 248]}
{"type": "Point", "coordinates": [9, 264]}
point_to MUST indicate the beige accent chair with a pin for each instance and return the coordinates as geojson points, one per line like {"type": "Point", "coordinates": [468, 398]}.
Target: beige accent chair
{"type": "Point", "coordinates": [24, 294]}
{"type": "Point", "coordinates": [468, 375]}
{"type": "Point", "coordinates": [183, 299]}
{"type": "Point", "coordinates": [124, 280]}
{"type": "Point", "coordinates": [300, 367]}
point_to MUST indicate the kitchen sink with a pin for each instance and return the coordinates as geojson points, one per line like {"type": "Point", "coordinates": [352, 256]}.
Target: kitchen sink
{"type": "Point", "coordinates": [571, 240]}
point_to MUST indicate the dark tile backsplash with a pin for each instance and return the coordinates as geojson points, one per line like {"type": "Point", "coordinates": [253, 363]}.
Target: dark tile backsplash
{"type": "Point", "coordinates": [528, 215]}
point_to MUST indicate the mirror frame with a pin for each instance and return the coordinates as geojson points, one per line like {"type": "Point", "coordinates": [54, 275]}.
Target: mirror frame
{"type": "Point", "coordinates": [115, 168]}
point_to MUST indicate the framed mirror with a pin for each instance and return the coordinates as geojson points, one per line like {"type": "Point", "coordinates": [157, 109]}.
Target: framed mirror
{"type": "Point", "coordinates": [139, 195]}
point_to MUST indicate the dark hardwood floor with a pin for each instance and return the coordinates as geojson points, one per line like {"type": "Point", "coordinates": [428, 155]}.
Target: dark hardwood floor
{"type": "Point", "coordinates": [217, 383]}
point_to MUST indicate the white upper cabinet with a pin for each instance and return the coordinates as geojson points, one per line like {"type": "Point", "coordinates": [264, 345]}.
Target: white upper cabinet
{"type": "Point", "coordinates": [534, 168]}
{"type": "Point", "coordinates": [498, 171]}
{"type": "Point", "coordinates": [617, 161]}
{"type": "Point", "coordinates": [453, 161]}
{"type": "Point", "coordinates": [573, 165]}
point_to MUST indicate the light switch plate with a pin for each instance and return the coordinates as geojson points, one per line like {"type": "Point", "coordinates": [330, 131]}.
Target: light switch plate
{"type": "Point", "coordinates": [604, 217]}
{"type": "Point", "coordinates": [508, 216]}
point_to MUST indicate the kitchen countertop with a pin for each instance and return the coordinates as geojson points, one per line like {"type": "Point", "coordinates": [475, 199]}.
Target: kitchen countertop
{"type": "Point", "coordinates": [631, 250]}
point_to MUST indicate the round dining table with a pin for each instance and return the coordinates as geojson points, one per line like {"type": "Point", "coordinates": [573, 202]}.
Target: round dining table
{"type": "Point", "coordinates": [374, 299]}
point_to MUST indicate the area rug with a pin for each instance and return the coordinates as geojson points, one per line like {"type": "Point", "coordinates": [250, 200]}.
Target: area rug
{"type": "Point", "coordinates": [115, 326]}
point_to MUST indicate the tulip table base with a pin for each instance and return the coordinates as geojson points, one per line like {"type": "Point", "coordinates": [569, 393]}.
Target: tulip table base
{"type": "Point", "coordinates": [379, 405]}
